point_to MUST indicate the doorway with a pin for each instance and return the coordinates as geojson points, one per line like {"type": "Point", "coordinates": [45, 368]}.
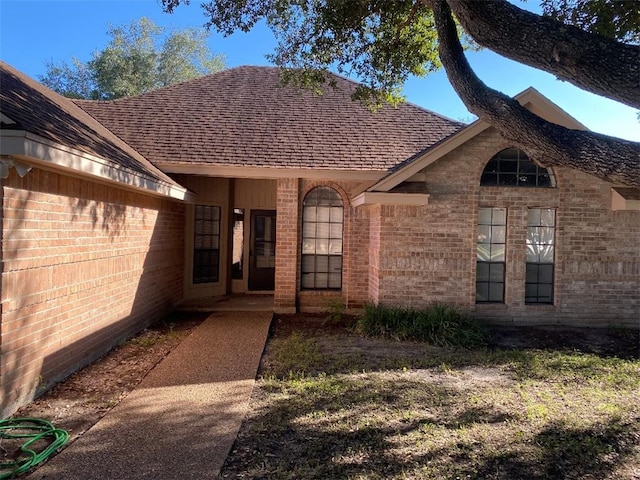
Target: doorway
{"type": "Point", "coordinates": [262, 250]}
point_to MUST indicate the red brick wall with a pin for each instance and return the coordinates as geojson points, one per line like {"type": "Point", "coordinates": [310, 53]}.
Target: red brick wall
{"type": "Point", "coordinates": [427, 254]}
{"type": "Point", "coordinates": [84, 266]}
{"type": "Point", "coordinates": [287, 246]}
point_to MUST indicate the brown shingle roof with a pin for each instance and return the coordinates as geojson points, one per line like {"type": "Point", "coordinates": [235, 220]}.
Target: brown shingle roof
{"type": "Point", "coordinates": [243, 117]}
{"type": "Point", "coordinates": [40, 111]}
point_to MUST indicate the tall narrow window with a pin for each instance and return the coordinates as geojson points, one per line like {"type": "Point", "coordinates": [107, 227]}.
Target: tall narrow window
{"type": "Point", "coordinates": [491, 245]}
{"type": "Point", "coordinates": [541, 227]}
{"type": "Point", "coordinates": [206, 244]}
{"type": "Point", "coordinates": [322, 225]}
{"type": "Point", "coordinates": [237, 265]}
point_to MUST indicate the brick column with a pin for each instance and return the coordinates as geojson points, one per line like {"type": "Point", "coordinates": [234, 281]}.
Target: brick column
{"type": "Point", "coordinates": [286, 246]}
{"type": "Point", "coordinates": [375, 216]}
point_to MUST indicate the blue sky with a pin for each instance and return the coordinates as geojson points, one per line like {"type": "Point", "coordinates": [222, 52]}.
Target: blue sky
{"type": "Point", "coordinates": [35, 31]}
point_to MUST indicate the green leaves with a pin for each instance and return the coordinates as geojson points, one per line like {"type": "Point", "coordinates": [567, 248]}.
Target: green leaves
{"type": "Point", "coordinates": [140, 57]}
{"type": "Point", "coordinates": [377, 42]}
{"type": "Point", "coordinates": [616, 19]}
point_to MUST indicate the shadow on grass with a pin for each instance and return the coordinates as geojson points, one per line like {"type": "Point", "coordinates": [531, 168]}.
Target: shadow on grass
{"type": "Point", "coordinates": [343, 428]}
{"type": "Point", "coordinates": [565, 452]}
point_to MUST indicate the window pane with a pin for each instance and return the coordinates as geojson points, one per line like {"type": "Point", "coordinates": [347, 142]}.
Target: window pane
{"type": "Point", "coordinates": [528, 180]}
{"type": "Point", "coordinates": [308, 230]}
{"type": "Point", "coordinates": [492, 166]}
{"type": "Point", "coordinates": [484, 216]}
{"type": "Point", "coordinates": [532, 273]}
{"type": "Point", "coordinates": [322, 280]}
{"type": "Point", "coordinates": [547, 217]}
{"type": "Point", "coordinates": [484, 252]}
{"type": "Point", "coordinates": [322, 263]}
{"type": "Point", "coordinates": [508, 180]}
{"type": "Point", "coordinates": [546, 274]}
{"type": "Point", "coordinates": [322, 230]}
{"type": "Point", "coordinates": [335, 263]}
{"type": "Point", "coordinates": [323, 214]}
{"type": "Point", "coordinates": [308, 263]}
{"type": "Point", "coordinates": [508, 166]}
{"type": "Point", "coordinates": [498, 234]}
{"type": "Point", "coordinates": [335, 280]}
{"type": "Point", "coordinates": [546, 235]}
{"type": "Point", "coordinates": [544, 180]}
{"type": "Point", "coordinates": [489, 179]}
{"type": "Point", "coordinates": [499, 216]}
{"type": "Point", "coordinates": [497, 253]}
{"type": "Point", "coordinates": [533, 217]}
{"type": "Point", "coordinates": [482, 272]}
{"type": "Point", "coordinates": [531, 292]}
{"type": "Point", "coordinates": [546, 254]}
{"type": "Point", "coordinates": [496, 272]}
{"type": "Point", "coordinates": [484, 233]}
{"type": "Point", "coordinates": [496, 292]}
{"type": "Point", "coordinates": [335, 247]}
{"type": "Point", "coordinates": [545, 293]}
{"type": "Point", "coordinates": [335, 230]}
{"type": "Point", "coordinates": [309, 214]}
{"type": "Point", "coordinates": [306, 281]}
{"type": "Point", "coordinates": [482, 292]}
{"type": "Point", "coordinates": [308, 247]}
{"type": "Point", "coordinates": [322, 246]}
{"type": "Point", "coordinates": [533, 256]}
{"type": "Point", "coordinates": [336, 214]}
{"type": "Point", "coordinates": [527, 168]}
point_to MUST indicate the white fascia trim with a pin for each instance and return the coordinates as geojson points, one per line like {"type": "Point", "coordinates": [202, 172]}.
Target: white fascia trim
{"type": "Point", "coordinates": [435, 153]}
{"type": "Point", "coordinates": [385, 198]}
{"type": "Point", "coordinates": [268, 172]}
{"type": "Point", "coordinates": [36, 150]}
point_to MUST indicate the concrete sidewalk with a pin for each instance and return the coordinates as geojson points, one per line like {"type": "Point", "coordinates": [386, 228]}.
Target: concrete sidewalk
{"type": "Point", "coordinates": [183, 418]}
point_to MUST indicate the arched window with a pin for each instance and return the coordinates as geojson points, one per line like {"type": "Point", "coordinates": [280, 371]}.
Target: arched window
{"type": "Point", "coordinates": [322, 226]}
{"type": "Point", "coordinates": [512, 168]}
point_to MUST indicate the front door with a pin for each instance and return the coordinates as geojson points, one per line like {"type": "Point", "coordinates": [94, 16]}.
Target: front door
{"type": "Point", "coordinates": [262, 264]}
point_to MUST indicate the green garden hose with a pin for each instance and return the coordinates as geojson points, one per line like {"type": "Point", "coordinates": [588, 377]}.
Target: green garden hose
{"type": "Point", "coordinates": [33, 429]}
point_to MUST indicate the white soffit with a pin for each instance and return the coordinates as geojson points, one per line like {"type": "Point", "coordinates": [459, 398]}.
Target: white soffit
{"type": "Point", "coordinates": [36, 150]}
{"type": "Point", "coordinates": [625, 198]}
{"type": "Point", "coordinates": [385, 198]}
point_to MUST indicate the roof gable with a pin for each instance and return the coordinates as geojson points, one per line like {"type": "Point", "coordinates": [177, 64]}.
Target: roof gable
{"type": "Point", "coordinates": [244, 117]}
{"type": "Point", "coordinates": [529, 98]}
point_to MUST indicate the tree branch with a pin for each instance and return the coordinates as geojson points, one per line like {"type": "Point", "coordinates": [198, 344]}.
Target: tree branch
{"type": "Point", "coordinates": [589, 61]}
{"type": "Point", "coordinates": [609, 158]}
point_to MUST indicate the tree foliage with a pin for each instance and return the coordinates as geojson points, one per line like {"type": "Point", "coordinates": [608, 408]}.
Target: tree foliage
{"type": "Point", "coordinates": [140, 57]}
{"type": "Point", "coordinates": [592, 44]}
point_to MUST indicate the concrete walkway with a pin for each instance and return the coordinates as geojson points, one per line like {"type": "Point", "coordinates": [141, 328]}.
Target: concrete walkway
{"type": "Point", "coordinates": [183, 418]}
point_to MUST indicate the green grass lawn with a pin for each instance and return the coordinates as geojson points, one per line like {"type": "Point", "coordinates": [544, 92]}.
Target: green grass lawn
{"type": "Point", "coordinates": [333, 404]}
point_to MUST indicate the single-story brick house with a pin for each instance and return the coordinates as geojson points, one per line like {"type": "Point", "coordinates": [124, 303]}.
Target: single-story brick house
{"type": "Point", "coordinates": [115, 212]}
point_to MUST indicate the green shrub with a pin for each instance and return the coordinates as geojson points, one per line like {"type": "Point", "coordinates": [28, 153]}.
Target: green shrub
{"type": "Point", "coordinates": [335, 310]}
{"type": "Point", "coordinates": [438, 324]}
